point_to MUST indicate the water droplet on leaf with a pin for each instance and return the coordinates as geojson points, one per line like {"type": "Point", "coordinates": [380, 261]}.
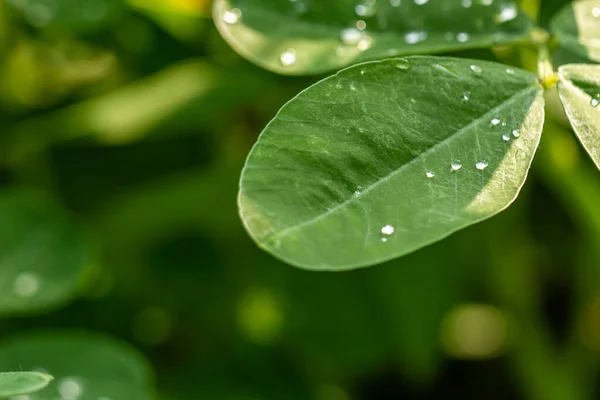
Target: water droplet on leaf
{"type": "Point", "coordinates": [495, 121]}
{"type": "Point", "coordinates": [388, 230]}
{"type": "Point", "coordinates": [455, 166]}
{"type": "Point", "coordinates": [288, 57]}
{"type": "Point", "coordinates": [402, 64]}
{"type": "Point", "coordinates": [516, 133]}
{"type": "Point", "coordinates": [476, 69]}
{"type": "Point", "coordinates": [481, 165]}
{"type": "Point", "coordinates": [26, 284]}
{"type": "Point", "coordinates": [430, 174]}
{"type": "Point", "coordinates": [462, 37]}
{"type": "Point", "coordinates": [233, 16]}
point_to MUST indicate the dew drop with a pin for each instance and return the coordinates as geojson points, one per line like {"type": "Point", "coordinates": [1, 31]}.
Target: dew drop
{"type": "Point", "coordinates": [415, 37]}
{"type": "Point", "coordinates": [504, 124]}
{"type": "Point", "coordinates": [233, 16]}
{"type": "Point", "coordinates": [421, 2]}
{"type": "Point", "coordinates": [455, 166]}
{"type": "Point", "coordinates": [364, 43]}
{"type": "Point", "coordinates": [481, 165]}
{"type": "Point", "coordinates": [430, 174]}
{"type": "Point", "coordinates": [510, 71]}
{"type": "Point", "coordinates": [595, 102]}
{"type": "Point", "coordinates": [495, 121]}
{"type": "Point", "coordinates": [363, 71]}
{"type": "Point", "coordinates": [506, 137]}
{"type": "Point", "coordinates": [402, 64]}
{"type": "Point", "coordinates": [466, 96]}
{"type": "Point", "coordinates": [70, 388]}
{"type": "Point", "coordinates": [26, 284]}
{"type": "Point", "coordinates": [462, 37]}
{"type": "Point", "coordinates": [288, 57]}
{"type": "Point", "coordinates": [487, 2]}
{"type": "Point", "coordinates": [476, 69]}
{"type": "Point", "coordinates": [366, 8]}
{"type": "Point", "coordinates": [351, 36]}
{"type": "Point", "coordinates": [361, 25]}
{"type": "Point", "coordinates": [508, 13]}
{"type": "Point", "coordinates": [387, 230]}
{"type": "Point", "coordinates": [516, 133]}
{"type": "Point", "coordinates": [466, 3]}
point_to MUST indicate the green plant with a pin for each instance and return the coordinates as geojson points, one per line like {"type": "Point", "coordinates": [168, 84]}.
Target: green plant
{"type": "Point", "coordinates": [392, 154]}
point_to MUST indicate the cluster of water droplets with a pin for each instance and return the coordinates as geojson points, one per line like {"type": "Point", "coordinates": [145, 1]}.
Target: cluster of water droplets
{"type": "Point", "coordinates": [367, 12]}
{"type": "Point", "coordinates": [386, 231]}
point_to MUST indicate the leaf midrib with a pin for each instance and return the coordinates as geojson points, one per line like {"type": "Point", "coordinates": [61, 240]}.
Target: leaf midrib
{"type": "Point", "coordinates": [286, 231]}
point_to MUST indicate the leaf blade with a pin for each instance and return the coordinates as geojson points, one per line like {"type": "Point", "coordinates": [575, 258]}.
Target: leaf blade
{"type": "Point", "coordinates": [42, 256]}
{"type": "Point", "coordinates": [331, 174]}
{"type": "Point", "coordinates": [21, 383]}
{"type": "Point", "coordinates": [579, 91]}
{"type": "Point", "coordinates": [85, 366]}
{"type": "Point", "coordinates": [576, 27]}
{"type": "Point", "coordinates": [310, 37]}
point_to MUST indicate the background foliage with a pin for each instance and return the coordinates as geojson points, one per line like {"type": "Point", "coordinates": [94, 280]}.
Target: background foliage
{"type": "Point", "coordinates": [126, 123]}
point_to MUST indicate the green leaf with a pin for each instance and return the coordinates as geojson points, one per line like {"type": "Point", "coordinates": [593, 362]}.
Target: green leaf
{"type": "Point", "coordinates": [19, 383]}
{"type": "Point", "coordinates": [72, 15]}
{"type": "Point", "coordinates": [85, 366]}
{"type": "Point", "coordinates": [42, 256]}
{"type": "Point", "coordinates": [579, 91]}
{"type": "Point", "coordinates": [577, 28]}
{"type": "Point", "coordinates": [386, 157]}
{"type": "Point", "coordinates": [313, 36]}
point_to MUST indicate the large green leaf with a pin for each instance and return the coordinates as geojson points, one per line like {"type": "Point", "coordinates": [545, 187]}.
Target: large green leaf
{"type": "Point", "coordinates": [18, 383]}
{"type": "Point", "coordinates": [42, 256]}
{"type": "Point", "coordinates": [386, 157]}
{"type": "Point", "coordinates": [85, 366]}
{"type": "Point", "coordinates": [314, 36]}
{"type": "Point", "coordinates": [577, 27]}
{"type": "Point", "coordinates": [579, 91]}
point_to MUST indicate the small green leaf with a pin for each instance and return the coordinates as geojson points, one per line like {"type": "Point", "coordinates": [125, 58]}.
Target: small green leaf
{"type": "Point", "coordinates": [579, 91]}
{"type": "Point", "coordinates": [313, 36]}
{"type": "Point", "coordinates": [19, 383]}
{"type": "Point", "coordinates": [85, 366]}
{"type": "Point", "coordinates": [577, 27]}
{"type": "Point", "coordinates": [41, 255]}
{"type": "Point", "coordinates": [386, 157]}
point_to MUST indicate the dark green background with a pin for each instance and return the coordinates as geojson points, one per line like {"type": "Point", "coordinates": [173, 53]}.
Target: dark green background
{"type": "Point", "coordinates": [176, 275]}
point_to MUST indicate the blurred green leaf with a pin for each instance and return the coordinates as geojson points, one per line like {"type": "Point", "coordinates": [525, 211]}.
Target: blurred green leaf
{"type": "Point", "coordinates": [386, 157]}
{"type": "Point", "coordinates": [74, 15]}
{"type": "Point", "coordinates": [190, 94]}
{"type": "Point", "coordinates": [184, 19]}
{"type": "Point", "coordinates": [18, 383]}
{"type": "Point", "coordinates": [579, 90]}
{"type": "Point", "coordinates": [576, 27]}
{"type": "Point", "coordinates": [42, 255]}
{"type": "Point", "coordinates": [85, 366]}
{"type": "Point", "coordinates": [309, 36]}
